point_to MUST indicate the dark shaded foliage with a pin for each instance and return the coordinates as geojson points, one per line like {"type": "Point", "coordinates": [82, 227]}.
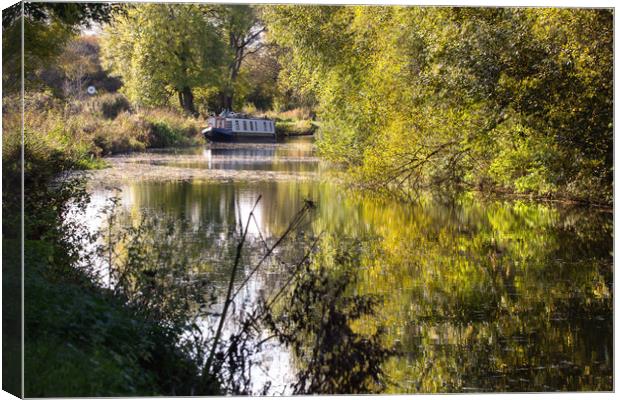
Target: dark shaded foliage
{"type": "Point", "coordinates": [113, 105]}
{"type": "Point", "coordinates": [81, 14]}
{"type": "Point", "coordinates": [316, 325]}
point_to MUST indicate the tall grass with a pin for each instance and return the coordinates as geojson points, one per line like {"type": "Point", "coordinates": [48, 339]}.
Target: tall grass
{"type": "Point", "coordinates": [104, 125]}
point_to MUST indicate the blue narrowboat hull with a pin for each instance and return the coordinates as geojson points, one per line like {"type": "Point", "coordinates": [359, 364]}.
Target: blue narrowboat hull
{"type": "Point", "coordinates": [227, 135]}
{"type": "Point", "coordinates": [219, 134]}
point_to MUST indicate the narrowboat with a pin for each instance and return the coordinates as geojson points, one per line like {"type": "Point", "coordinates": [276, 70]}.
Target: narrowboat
{"type": "Point", "coordinates": [230, 126]}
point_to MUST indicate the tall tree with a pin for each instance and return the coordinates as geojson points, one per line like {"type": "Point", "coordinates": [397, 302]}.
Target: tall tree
{"type": "Point", "coordinates": [243, 28]}
{"type": "Point", "coordinates": [164, 50]}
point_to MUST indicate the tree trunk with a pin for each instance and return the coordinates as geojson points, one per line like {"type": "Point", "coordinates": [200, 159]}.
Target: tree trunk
{"type": "Point", "coordinates": [234, 68]}
{"type": "Point", "coordinates": [186, 100]}
{"type": "Point", "coordinates": [228, 101]}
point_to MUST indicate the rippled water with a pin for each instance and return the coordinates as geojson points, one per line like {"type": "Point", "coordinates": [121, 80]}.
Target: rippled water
{"type": "Point", "coordinates": [477, 295]}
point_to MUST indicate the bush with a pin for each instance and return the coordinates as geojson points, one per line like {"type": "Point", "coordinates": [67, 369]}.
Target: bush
{"type": "Point", "coordinates": [168, 128]}
{"type": "Point", "coordinates": [103, 125]}
{"type": "Point", "coordinates": [297, 128]}
{"type": "Point", "coordinates": [113, 104]}
{"type": "Point", "coordinates": [106, 105]}
{"type": "Point", "coordinates": [296, 114]}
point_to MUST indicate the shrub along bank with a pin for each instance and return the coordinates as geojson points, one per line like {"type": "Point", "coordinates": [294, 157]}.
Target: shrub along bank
{"type": "Point", "coordinates": [295, 122]}
{"type": "Point", "coordinates": [82, 340]}
{"type": "Point", "coordinates": [296, 128]}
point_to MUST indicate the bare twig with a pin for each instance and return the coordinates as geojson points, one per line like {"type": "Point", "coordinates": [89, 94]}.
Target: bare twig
{"type": "Point", "coordinates": [229, 299]}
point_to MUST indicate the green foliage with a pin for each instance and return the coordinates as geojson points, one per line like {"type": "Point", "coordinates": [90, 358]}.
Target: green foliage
{"type": "Point", "coordinates": [241, 29]}
{"type": "Point", "coordinates": [47, 27]}
{"type": "Point", "coordinates": [297, 128]}
{"type": "Point", "coordinates": [108, 105]}
{"type": "Point", "coordinates": [168, 128]}
{"type": "Point", "coordinates": [414, 98]}
{"type": "Point", "coordinates": [78, 342]}
{"type": "Point", "coordinates": [80, 339]}
{"type": "Point", "coordinates": [176, 49]}
{"type": "Point", "coordinates": [81, 131]}
{"type": "Point", "coordinates": [260, 75]}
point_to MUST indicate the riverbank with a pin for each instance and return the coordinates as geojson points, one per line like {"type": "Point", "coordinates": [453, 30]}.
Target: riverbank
{"type": "Point", "coordinates": [292, 123]}
{"type": "Point", "coordinates": [295, 128]}
{"type": "Point", "coordinates": [103, 125]}
{"type": "Point", "coordinates": [81, 338]}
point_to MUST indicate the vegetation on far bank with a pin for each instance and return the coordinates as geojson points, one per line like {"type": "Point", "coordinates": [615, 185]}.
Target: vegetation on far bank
{"type": "Point", "coordinates": [417, 98]}
{"type": "Point", "coordinates": [299, 121]}
{"type": "Point", "coordinates": [99, 126]}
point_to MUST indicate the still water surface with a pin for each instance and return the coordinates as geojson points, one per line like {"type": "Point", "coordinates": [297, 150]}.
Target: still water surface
{"type": "Point", "coordinates": [476, 295]}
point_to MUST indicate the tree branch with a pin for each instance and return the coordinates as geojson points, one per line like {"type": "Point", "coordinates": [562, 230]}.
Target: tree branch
{"type": "Point", "coordinates": [253, 36]}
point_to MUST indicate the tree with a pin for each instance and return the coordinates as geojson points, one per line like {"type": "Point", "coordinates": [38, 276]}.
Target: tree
{"type": "Point", "coordinates": [161, 50]}
{"type": "Point", "coordinates": [261, 74]}
{"type": "Point", "coordinates": [414, 98]}
{"type": "Point", "coordinates": [47, 29]}
{"type": "Point", "coordinates": [243, 30]}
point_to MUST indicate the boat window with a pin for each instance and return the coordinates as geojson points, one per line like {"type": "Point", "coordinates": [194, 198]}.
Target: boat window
{"type": "Point", "coordinates": [236, 125]}
{"type": "Point", "coordinates": [251, 125]}
{"type": "Point", "coordinates": [265, 125]}
{"type": "Point", "coordinates": [245, 125]}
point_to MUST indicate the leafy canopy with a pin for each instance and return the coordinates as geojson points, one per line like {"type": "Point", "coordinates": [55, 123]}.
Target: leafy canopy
{"type": "Point", "coordinates": [161, 49]}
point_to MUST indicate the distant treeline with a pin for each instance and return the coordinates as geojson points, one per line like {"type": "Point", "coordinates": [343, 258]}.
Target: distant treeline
{"type": "Point", "coordinates": [198, 57]}
{"type": "Point", "coordinates": [504, 99]}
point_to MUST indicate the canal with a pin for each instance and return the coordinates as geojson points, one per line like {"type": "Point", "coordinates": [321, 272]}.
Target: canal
{"type": "Point", "coordinates": [474, 294]}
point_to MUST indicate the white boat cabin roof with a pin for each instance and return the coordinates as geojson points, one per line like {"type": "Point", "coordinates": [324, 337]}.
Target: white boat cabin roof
{"type": "Point", "coordinates": [232, 114]}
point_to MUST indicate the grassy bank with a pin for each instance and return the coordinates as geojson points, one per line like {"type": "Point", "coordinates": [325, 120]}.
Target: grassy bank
{"type": "Point", "coordinates": [106, 124]}
{"type": "Point", "coordinates": [82, 340]}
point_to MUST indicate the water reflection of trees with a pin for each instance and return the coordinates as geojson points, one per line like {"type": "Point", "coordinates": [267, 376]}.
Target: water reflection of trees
{"type": "Point", "coordinates": [320, 322]}
{"type": "Point", "coordinates": [484, 295]}
{"type": "Point", "coordinates": [500, 296]}
{"type": "Point", "coordinates": [155, 265]}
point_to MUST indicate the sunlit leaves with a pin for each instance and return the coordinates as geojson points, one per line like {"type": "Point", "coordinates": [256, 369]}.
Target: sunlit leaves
{"type": "Point", "coordinates": [524, 95]}
{"type": "Point", "coordinates": [160, 50]}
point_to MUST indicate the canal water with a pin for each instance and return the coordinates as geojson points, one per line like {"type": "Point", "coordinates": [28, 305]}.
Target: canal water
{"type": "Point", "coordinates": [474, 294]}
